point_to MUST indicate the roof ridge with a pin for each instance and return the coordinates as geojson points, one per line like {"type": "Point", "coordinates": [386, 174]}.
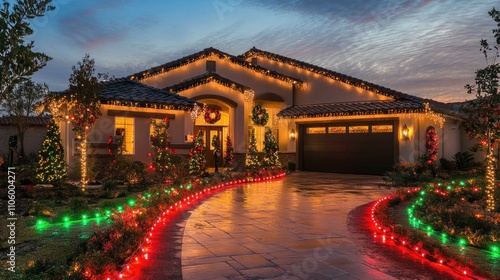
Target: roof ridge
{"type": "Point", "coordinates": [163, 68]}
{"type": "Point", "coordinates": [336, 75]}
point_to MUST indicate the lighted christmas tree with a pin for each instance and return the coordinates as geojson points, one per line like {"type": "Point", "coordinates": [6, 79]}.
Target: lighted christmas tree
{"type": "Point", "coordinates": [228, 155]}
{"type": "Point", "coordinates": [197, 158]}
{"type": "Point", "coordinates": [161, 156]}
{"type": "Point", "coordinates": [252, 157]}
{"type": "Point", "coordinates": [51, 165]}
{"type": "Point", "coordinates": [271, 157]}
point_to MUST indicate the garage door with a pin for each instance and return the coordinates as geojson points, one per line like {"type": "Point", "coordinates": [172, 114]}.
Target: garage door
{"type": "Point", "coordinates": [358, 148]}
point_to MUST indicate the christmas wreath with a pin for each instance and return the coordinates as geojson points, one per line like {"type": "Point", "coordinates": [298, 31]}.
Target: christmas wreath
{"type": "Point", "coordinates": [208, 116]}
{"type": "Point", "coordinates": [260, 115]}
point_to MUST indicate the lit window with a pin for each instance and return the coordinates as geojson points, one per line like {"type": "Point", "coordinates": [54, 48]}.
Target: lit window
{"type": "Point", "coordinates": [337, 129]}
{"type": "Point", "coordinates": [124, 127]}
{"type": "Point", "coordinates": [381, 128]}
{"type": "Point", "coordinates": [316, 130]}
{"type": "Point", "coordinates": [358, 129]}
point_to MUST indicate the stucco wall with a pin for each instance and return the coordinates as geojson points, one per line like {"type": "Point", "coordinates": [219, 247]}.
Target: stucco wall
{"type": "Point", "coordinates": [33, 139]}
{"type": "Point", "coordinates": [105, 127]}
{"type": "Point", "coordinates": [319, 89]}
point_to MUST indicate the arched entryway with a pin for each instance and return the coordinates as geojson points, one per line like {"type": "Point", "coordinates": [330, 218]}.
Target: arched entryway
{"type": "Point", "coordinates": [218, 129]}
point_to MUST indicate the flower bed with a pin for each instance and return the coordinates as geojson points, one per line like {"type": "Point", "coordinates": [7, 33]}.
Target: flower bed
{"type": "Point", "coordinates": [424, 240]}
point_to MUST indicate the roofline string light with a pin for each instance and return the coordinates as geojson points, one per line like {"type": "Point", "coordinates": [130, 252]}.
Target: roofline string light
{"type": "Point", "coordinates": [210, 52]}
{"type": "Point", "coordinates": [344, 115]}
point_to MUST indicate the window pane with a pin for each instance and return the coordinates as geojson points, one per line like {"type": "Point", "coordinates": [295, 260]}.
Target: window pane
{"type": "Point", "coordinates": [124, 127]}
{"type": "Point", "coordinates": [316, 130]}
{"type": "Point", "coordinates": [337, 129]}
{"type": "Point", "coordinates": [382, 128]}
{"type": "Point", "coordinates": [358, 129]}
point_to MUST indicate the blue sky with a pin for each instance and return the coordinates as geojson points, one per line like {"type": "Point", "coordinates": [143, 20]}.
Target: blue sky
{"type": "Point", "coordinates": [428, 48]}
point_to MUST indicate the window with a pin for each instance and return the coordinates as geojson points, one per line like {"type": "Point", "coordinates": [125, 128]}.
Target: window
{"type": "Point", "coordinates": [124, 127]}
{"type": "Point", "coordinates": [316, 130]}
{"type": "Point", "coordinates": [211, 66]}
{"type": "Point", "coordinates": [358, 129]}
{"type": "Point", "coordinates": [337, 130]}
{"type": "Point", "coordinates": [260, 133]}
{"type": "Point", "coordinates": [254, 60]}
{"type": "Point", "coordinates": [382, 128]}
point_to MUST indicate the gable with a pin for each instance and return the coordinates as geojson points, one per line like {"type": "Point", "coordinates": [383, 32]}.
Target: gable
{"type": "Point", "coordinates": [196, 64]}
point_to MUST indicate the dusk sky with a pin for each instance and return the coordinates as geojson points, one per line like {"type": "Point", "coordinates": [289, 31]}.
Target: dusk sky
{"type": "Point", "coordinates": [427, 48]}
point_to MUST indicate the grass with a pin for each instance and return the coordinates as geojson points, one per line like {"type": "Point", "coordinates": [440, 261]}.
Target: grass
{"type": "Point", "coordinates": [56, 240]}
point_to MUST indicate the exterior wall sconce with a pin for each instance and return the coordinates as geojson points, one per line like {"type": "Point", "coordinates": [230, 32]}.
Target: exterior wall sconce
{"type": "Point", "coordinates": [405, 132]}
{"type": "Point", "coordinates": [292, 135]}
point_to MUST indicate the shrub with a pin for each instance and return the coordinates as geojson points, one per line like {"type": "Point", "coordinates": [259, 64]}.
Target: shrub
{"type": "Point", "coordinates": [109, 185]}
{"type": "Point", "coordinates": [465, 161]}
{"type": "Point", "coordinates": [407, 174]}
{"type": "Point", "coordinates": [42, 208]}
{"type": "Point", "coordinates": [78, 205]}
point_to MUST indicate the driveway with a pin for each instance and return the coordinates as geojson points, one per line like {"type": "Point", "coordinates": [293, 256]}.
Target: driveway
{"type": "Point", "coordinates": [306, 226]}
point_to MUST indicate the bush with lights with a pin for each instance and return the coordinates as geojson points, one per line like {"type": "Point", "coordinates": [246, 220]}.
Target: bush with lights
{"type": "Point", "coordinates": [162, 154]}
{"type": "Point", "coordinates": [271, 157]}
{"type": "Point", "coordinates": [51, 165]}
{"type": "Point", "coordinates": [197, 157]}
{"type": "Point", "coordinates": [252, 156]}
{"type": "Point", "coordinates": [228, 154]}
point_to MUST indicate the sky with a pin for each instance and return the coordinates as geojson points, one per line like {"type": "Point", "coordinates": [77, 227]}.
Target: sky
{"type": "Point", "coordinates": [427, 48]}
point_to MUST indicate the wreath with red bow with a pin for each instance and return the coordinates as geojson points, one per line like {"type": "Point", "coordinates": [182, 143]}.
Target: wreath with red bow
{"type": "Point", "coordinates": [208, 116]}
{"type": "Point", "coordinates": [260, 115]}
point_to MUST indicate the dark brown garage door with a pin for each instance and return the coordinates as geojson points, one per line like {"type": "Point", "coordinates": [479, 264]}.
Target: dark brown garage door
{"type": "Point", "coordinates": [358, 148]}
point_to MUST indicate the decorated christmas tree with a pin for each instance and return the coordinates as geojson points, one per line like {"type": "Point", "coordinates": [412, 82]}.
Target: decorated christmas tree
{"type": "Point", "coordinates": [161, 156]}
{"type": "Point", "coordinates": [252, 157]}
{"type": "Point", "coordinates": [197, 160]}
{"type": "Point", "coordinates": [51, 165]}
{"type": "Point", "coordinates": [228, 155]}
{"type": "Point", "coordinates": [271, 157]}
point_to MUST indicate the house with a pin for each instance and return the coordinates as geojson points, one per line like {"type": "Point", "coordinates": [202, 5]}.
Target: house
{"type": "Point", "coordinates": [37, 129]}
{"type": "Point", "coordinates": [323, 120]}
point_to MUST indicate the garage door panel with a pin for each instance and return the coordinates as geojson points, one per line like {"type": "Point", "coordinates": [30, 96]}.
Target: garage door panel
{"type": "Point", "coordinates": [363, 153]}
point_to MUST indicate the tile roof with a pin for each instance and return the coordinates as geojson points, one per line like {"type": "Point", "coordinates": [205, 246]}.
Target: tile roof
{"type": "Point", "coordinates": [32, 121]}
{"type": "Point", "coordinates": [207, 53]}
{"type": "Point", "coordinates": [204, 79]}
{"type": "Point", "coordinates": [123, 91]}
{"type": "Point", "coordinates": [397, 95]}
{"type": "Point", "coordinates": [352, 109]}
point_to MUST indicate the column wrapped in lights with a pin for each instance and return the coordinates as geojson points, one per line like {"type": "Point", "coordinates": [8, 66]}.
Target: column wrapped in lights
{"type": "Point", "coordinates": [490, 182]}
{"type": "Point", "coordinates": [83, 162]}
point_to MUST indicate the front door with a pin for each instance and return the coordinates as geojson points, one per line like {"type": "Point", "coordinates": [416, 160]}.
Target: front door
{"type": "Point", "coordinates": [210, 132]}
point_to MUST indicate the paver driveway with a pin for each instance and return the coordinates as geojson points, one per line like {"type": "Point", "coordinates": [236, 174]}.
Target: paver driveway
{"type": "Point", "coordinates": [301, 227]}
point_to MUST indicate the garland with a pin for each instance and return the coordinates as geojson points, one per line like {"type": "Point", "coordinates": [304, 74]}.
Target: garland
{"type": "Point", "coordinates": [208, 116]}
{"type": "Point", "coordinates": [431, 144]}
{"type": "Point", "coordinates": [260, 115]}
